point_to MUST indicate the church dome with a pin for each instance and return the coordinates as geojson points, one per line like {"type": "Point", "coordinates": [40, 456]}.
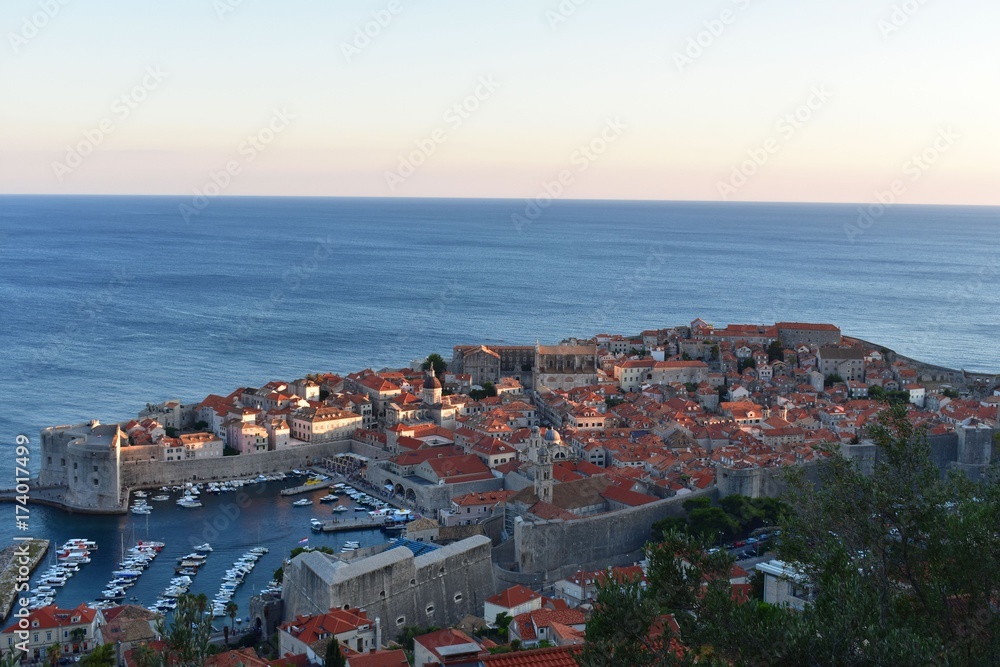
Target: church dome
{"type": "Point", "coordinates": [432, 382]}
{"type": "Point", "coordinates": [552, 435]}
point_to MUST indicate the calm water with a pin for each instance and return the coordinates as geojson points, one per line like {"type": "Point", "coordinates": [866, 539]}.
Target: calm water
{"type": "Point", "coordinates": [231, 522]}
{"type": "Point", "coordinates": [107, 303]}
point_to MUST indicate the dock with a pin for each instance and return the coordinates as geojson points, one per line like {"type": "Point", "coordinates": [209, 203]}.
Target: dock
{"type": "Point", "coordinates": [306, 488]}
{"type": "Point", "coordinates": [10, 564]}
{"type": "Point", "coordinates": [357, 523]}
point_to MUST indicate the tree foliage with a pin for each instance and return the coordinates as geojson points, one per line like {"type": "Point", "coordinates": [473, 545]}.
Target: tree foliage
{"type": "Point", "coordinates": [187, 636]}
{"type": "Point", "coordinates": [436, 360]}
{"type": "Point", "coordinates": [102, 656]}
{"type": "Point", "coordinates": [902, 567]}
{"type": "Point", "coordinates": [334, 656]}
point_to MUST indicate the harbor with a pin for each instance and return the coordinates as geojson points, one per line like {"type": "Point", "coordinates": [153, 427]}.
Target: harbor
{"type": "Point", "coordinates": [253, 515]}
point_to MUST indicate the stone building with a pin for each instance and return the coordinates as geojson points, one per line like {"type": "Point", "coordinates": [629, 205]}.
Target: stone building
{"type": "Point", "coordinates": [847, 362]}
{"type": "Point", "coordinates": [565, 366]}
{"type": "Point", "coordinates": [793, 334]}
{"type": "Point", "coordinates": [395, 587]}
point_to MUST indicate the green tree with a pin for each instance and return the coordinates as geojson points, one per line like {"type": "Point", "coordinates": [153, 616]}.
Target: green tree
{"type": "Point", "coordinates": [832, 379]}
{"type": "Point", "coordinates": [502, 622]}
{"type": "Point", "coordinates": [231, 609]}
{"type": "Point", "coordinates": [775, 351]}
{"type": "Point", "coordinates": [144, 656]}
{"type": "Point", "coordinates": [187, 636]}
{"type": "Point", "coordinates": [53, 653]}
{"type": "Point", "coordinates": [487, 390]}
{"type": "Point", "coordinates": [438, 362]}
{"type": "Point", "coordinates": [901, 567]}
{"type": "Point", "coordinates": [334, 656]}
{"type": "Point", "coordinates": [102, 656]}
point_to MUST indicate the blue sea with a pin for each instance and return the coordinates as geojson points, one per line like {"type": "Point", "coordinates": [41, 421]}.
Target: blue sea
{"type": "Point", "coordinates": [107, 303]}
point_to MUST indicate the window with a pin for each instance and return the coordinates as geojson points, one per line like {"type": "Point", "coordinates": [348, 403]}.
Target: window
{"type": "Point", "coordinates": [430, 609]}
{"type": "Point", "coordinates": [96, 481]}
{"type": "Point", "coordinates": [74, 465]}
{"type": "Point", "coordinates": [95, 468]}
{"type": "Point", "coordinates": [399, 621]}
{"type": "Point", "coordinates": [50, 460]}
{"type": "Point", "coordinates": [458, 597]}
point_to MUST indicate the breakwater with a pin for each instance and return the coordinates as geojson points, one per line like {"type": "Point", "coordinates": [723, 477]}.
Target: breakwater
{"type": "Point", "coordinates": [17, 562]}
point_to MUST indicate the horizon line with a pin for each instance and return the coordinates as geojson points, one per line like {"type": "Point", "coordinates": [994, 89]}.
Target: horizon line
{"type": "Point", "coordinates": [503, 199]}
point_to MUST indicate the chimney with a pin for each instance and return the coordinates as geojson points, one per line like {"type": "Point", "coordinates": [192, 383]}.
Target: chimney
{"type": "Point", "coordinates": [378, 633]}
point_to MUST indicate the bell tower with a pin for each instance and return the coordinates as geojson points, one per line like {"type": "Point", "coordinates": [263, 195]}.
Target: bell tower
{"type": "Point", "coordinates": [543, 474]}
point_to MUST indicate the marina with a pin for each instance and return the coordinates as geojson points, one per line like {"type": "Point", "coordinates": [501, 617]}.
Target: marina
{"type": "Point", "coordinates": [226, 526]}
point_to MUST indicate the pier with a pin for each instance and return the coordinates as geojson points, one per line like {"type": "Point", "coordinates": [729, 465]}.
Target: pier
{"type": "Point", "coordinates": [10, 564]}
{"type": "Point", "coordinates": [306, 488]}
{"type": "Point", "coordinates": [357, 523]}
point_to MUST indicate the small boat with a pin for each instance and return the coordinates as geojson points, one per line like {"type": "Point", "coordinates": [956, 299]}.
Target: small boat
{"type": "Point", "coordinates": [328, 498]}
{"type": "Point", "coordinates": [160, 498]}
{"type": "Point", "coordinates": [142, 510]}
{"type": "Point", "coordinates": [302, 503]}
{"type": "Point", "coordinates": [340, 508]}
{"type": "Point", "coordinates": [316, 525]}
{"type": "Point", "coordinates": [140, 494]}
{"type": "Point", "coordinates": [203, 548]}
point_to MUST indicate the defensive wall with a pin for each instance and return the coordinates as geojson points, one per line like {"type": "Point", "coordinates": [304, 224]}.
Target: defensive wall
{"type": "Point", "coordinates": [970, 450]}
{"type": "Point", "coordinates": [551, 548]}
{"type": "Point", "coordinates": [158, 473]}
{"type": "Point", "coordinates": [437, 588]}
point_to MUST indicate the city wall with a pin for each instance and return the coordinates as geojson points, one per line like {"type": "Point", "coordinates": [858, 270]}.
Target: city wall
{"type": "Point", "coordinates": [158, 473]}
{"type": "Point", "coordinates": [553, 547]}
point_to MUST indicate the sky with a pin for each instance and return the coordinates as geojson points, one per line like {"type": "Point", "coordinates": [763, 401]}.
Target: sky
{"type": "Point", "coordinates": [735, 100]}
